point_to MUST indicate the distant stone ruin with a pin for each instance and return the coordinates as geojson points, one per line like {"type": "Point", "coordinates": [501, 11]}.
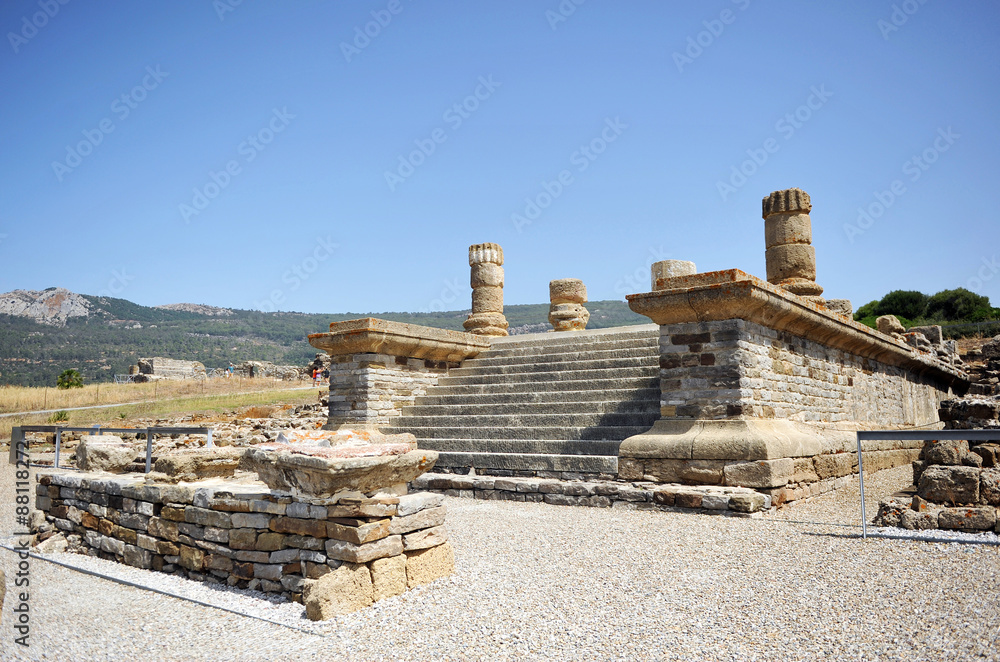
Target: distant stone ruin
{"type": "Point", "coordinates": [158, 367]}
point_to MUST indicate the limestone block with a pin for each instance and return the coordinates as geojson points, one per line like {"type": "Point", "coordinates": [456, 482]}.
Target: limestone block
{"type": "Point", "coordinates": [486, 324]}
{"type": "Point", "coordinates": [949, 485]}
{"type": "Point", "coordinates": [762, 473]}
{"type": "Point", "coordinates": [568, 316]}
{"type": "Point", "coordinates": [746, 503]}
{"type": "Point", "coordinates": [835, 465]}
{"type": "Point", "coordinates": [841, 307]}
{"type": "Point", "coordinates": [968, 519]}
{"type": "Point", "coordinates": [932, 333]}
{"type": "Point", "coordinates": [789, 262]}
{"type": "Point", "coordinates": [782, 229]}
{"type": "Point", "coordinates": [192, 558]}
{"type": "Point", "coordinates": [890, 325]}
{"type": "Point", "coordinates": [488, 252]}
{"type": "Point", "coordinates": [567, 290]}
{"type": "Point", "coordinates": [487, 300]}
{"type": "Point", "coordinates": [347, 589]}
{"type": "Point", "coordinates": [104, 452]}
{"type": "Point", "coordinates": [424, 519]}
{"type": "Point", "coordinates": [946, 452]}
{"type": "Point", "coordinates": [663, 270]}
{"type": "Point", "coordinates": [358, 532]}
{"type": "Point", "coordinates": [990, 452]}
{"type": "Point", "coordinates": [388, 576]}
{"type": "Point", "coordinates": [989, 486]}
{"type": "Point", "coordinates": [426, 565]}
{"type": "Point", "coordinates": [198, 464]}
{"type": "Point", "coordinates": [346, 551]}
{"type": "Point", "coordinates": [919, 521]}
{"type": "Point", "coordinates": [486, 274]}
{"type": "Point", "coordinates": [425, 538]}
{"type": "Point", "coordinates": [410, 504]}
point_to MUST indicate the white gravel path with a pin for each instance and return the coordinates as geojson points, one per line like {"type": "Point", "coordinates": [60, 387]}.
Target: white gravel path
{"type": "Point", "coordinates": [535, 581]}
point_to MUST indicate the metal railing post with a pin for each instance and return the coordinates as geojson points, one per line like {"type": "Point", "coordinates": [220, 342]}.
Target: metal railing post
{"type": "Point", "coordinates": [149, 450]}
{"type": "Point", "coordinates": [16, 435]}
{"type": "Point", "coordinates": [58, 446]}
{"type": "Point", "coordinates": [861, 480]}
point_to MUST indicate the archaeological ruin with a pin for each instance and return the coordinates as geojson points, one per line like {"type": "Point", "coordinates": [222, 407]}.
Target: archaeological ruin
{"type": "Point", "coordinates": [740, 395]}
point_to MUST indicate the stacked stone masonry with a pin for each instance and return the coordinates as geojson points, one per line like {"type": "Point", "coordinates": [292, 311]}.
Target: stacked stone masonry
{"type": "Point", "coordinates": [371, 389]}
{"type": "Point", "coordinates": [252, 537]}
{"type": "Point", "coordinates": [735, 368]}
{"type": "Point", "coordinates": [732, 501]}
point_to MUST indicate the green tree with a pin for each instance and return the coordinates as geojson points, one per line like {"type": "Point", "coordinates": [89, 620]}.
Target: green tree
{"type": "Point", "coordinates": [69, 378]}
{"type": "Point", "coordinates": [958, 304]}
{"type": "Point", "coordinates": [906, 303]}
{"type": "Point", "coordinates": [867, 310]}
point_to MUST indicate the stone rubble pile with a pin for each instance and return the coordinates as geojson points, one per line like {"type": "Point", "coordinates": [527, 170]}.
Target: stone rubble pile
{"type": "Point", "coordinates": [927, 339]}
{"type": "Point", "coordinates": [956, 487]}
{"type": "Point", "coordinates": [984, 368]}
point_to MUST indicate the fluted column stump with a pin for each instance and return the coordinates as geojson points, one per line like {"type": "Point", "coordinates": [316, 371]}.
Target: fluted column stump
{"type": "Point", "coordinates": [487, 319]}
{"type": "Point", "coordinates": [790, 256]}
{"type": "Point", "coordinates": [664, 270]}
{"type": "Point", "coordinates": [566, 309]}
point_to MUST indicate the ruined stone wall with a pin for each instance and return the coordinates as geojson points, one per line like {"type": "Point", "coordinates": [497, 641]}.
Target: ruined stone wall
{"type": "Point", "coordinates": [370, 389]}
{"type": "Point", "coordinates": [736, 368]}
{"type": "Point", "coordinates": [250, 536]}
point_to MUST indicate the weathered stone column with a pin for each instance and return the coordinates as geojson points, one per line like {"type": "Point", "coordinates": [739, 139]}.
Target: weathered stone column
{"type": "Point", "coordinates": [665, 269]}
{"type": "Point", "coordinates": [566, 309]}
{"type": "Point", "coordinates": [791, 258]}
{"type": "Point", "coordinates": [487, 317]}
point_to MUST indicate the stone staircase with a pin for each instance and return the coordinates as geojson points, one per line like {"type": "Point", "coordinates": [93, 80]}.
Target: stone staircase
{"type": "Point", "coordinates": [542, 404]}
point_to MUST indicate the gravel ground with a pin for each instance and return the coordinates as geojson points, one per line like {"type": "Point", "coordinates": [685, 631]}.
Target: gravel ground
{"type": "Point", "coordinates": [535, 581]}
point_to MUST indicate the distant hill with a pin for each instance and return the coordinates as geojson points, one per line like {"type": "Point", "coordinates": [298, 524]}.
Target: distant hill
{"type": "Point", "coordinates": [44, 332]}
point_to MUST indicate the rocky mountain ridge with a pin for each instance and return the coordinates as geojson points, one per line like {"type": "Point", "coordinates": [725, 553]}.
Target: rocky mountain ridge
{"type": "Point", "coordinates": [52, 306]}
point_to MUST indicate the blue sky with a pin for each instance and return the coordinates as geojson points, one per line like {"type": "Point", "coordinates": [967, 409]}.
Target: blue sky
{"type": "Point", "coordinates": [272, 155]}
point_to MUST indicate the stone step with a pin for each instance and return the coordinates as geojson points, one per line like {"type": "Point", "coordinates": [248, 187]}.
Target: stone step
{"type": "Point", "coordinates": [507, 422]}
{"type": "Point", "coordinates": [547, 387]}
{"type": "Point", "coordinates": [650, 404]}
{"type": "Point", "coordinates": [523, 446]}
{"type": "Point", "coordinates": [588, 433]}
{"type": "Point", "coordinates": [554, 376]}
{"type": "Point", "coordinates": [531, 462]}
{"type": "Point", "coordinates": [566, 397]}
{"type": "Point", "coordinates": [541, 344]}
{"type": "Point", "coordinates": [569, 365]}
{"type": "Point", "coordinates": [487, 358]}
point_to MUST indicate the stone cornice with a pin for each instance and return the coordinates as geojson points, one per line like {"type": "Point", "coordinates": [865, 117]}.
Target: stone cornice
{"type": "Point", "coordinates": [734, 294]}
{"type": "Point", "coordinates": [370, 335]}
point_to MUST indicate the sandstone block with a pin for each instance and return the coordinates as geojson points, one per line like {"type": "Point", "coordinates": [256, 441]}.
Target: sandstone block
{"type": "Point", "coordinates": [346, 551]}
{"type": "Point", "coordinates": [360, 534]}
{"type": "Point", "coordinates": [426, 565]}
{"type": "Point", "coordinates": [890, 325]}
{"type": "Point", "coordinates": [990, 452]}
{"type": "Point", "coordinates": [746, 503]}
{"type": "Point", "coordinates": [388, 576]}
{"type": "Point", "coordinates": [949, 485]}
{"type": "Point", "coordinates": [425, 538]}
{"type": "Point", "coordinates": [486, 274]}
{"type": "Point", "coordinates": [347, 589]}
{"type": "Point", "coordinates": [300, 527]}
{"type": "Point", "coordinates": [666, 269]}
{"type": "Point", "coordinates": [968, 519]}
{"type": "Point", "coordinates": [242, 538]}
{"type": "Point", "coordinates": [250, 520]}
{"type": "Point", "coordinates": [137, 557]}
{"type": "Point", "coordinates": [205, 517]}
{"type": "Point", "coordinates": [835, 465]}
{"type": "Point", "coordinates": [424, 519]}
{"type": "Point", "coordinates": [762, 473]}
{"type": "Point", "coordinates": [269, 542]}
